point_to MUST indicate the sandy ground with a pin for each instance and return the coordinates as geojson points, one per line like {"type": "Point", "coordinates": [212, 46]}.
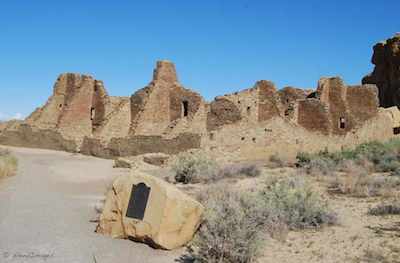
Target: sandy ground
{"type": "Point", "coordinates": [45, 212]}
{"type": "Point", "coordinates": [356, 233]}
{"type": "Point", "coordinates": [46, 209]}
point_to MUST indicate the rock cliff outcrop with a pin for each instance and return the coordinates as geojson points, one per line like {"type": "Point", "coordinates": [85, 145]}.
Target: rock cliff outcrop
{"type": "Point", "coordinates": [386, 74]}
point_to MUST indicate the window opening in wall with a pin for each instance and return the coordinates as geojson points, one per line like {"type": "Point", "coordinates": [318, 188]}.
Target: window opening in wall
{"type": "Point", "coordinates": [185, 108]}
{"type": "Point", "coordinates": [248, 109]}
{"type": "Point", "coordinates": [60, 105]}
{"type": "Point", "coordinates": [242, 138]}
{"type": "Point", "coordinates": [254, 139]}
{"type": "Point", "coordinates": [396, 130]}
{"type": "Point", "coordinates": [342, 123]}
{"type": "Point", "coordinates": [211, 136]}
{"type": "Point", "coordinates": [92, 112]}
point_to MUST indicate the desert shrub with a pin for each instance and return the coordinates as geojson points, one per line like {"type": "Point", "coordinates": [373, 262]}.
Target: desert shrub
{"type": "Point", "coordinates": [303, 158]}
{"type": "Point", "coordinates": [361, 184]}
{"type": "Point", "coordinates": [320, 166]}
{"type": "Point", "coordinates": [392, 208]}
{"type": "Point", "coordinates": [194, 168]}
{"type": "Point", "coordinates": [232, 228]}
{"type": "Point", "coordinates": [294, 202]}
{"type": "Point", "coordinates": [238, 170]}
{"type": "Point", "coordinates": [235, 222]}
{"type": "Point", "coordinates": [8, 163]}
{"type": "Point", "coordinates": [382, 254]}
{"type": "Point", "coordinates": [384, 157]}
{"type": "Point", "coordinates": [275, 161]}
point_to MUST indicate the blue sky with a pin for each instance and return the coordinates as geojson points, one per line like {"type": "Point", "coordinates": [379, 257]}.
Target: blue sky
{"type": "Point", "coordinates": [218, 46]}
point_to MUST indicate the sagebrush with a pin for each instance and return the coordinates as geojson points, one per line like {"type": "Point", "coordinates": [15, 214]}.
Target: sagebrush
{"type": "Point", "coordinates": [237, 223]}
{"type": "Point", "coordinates": [384, 157]}
{"type": "Point", "coordinates": [194, 168]}
{"type": "Point", "coordinates": [198, 167]}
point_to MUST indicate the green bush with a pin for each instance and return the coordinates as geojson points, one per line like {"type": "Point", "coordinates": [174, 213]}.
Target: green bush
{"type": "Point", "coordinates": [194, 168]}
{"type": "Point", "coordinates": [238, 170]}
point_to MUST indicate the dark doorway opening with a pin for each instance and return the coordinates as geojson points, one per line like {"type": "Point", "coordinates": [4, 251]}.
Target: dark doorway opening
{"type": "Point", "coordinates": [185, 108]}
{"type": "Point", "coordinates": [396, 130]}
{"type": "Point", "coordinates": [92, 112]}
{"type": "Point", "coordinates": [342, 123]}
{"type": "Point", "coordinates": [211, 136]}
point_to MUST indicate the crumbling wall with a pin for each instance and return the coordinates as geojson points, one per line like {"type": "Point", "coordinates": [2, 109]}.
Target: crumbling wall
{"type": "Point", "coordinates": [76, 108]}
{"type": "Point", "coordinates": [116, 120]}
{"type": "Point", "coordinates": [285, 138]}
{"type": "Point", "coordinates": [386, 74]}
{"type": "Point", "coordinates": [269, 101]}
{"type": "Point", "coordinates": [137, 103]}
{"type": "Point", "coordinates": [136, 145]}
{"type": "Point", "coordinates": [25, 136]}
{"type": "Point", "coordinates": [362, 102]}
{"type": "Point", "coordinates": [336, 108]}
{"type": "Point", "coordinates": [98, 108]}
{"type": "Point", "coordinates": [222, 112]}
{"type": "Point", "coordinates": [313, 116]}
{"type": "Point", "coordinates": [332, 93]}
{"type": "Point", "coordinates": [183, 103]}
{"type": "Point", "coordinates": [289, 96]}
{"type": "Point", "coordinates": [159, 107]}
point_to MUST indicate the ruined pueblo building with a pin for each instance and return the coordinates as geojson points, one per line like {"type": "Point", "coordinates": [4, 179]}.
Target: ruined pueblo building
{"type": "Point", "coordinates": [166, 117]}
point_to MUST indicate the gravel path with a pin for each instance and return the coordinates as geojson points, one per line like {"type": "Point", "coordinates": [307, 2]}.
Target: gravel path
{"type": "Point", "coordinates": [45, 212]}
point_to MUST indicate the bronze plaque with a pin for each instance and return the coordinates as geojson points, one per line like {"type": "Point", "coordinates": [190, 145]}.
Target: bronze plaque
{"type": "Point", "coordinates": [138, 201]}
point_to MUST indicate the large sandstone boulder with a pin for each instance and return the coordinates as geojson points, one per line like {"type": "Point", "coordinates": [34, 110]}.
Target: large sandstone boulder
{"type": "Point", "coordinates": [147, 209]}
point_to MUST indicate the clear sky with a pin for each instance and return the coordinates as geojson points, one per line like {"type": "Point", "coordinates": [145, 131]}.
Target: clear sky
{"type": "Point", "coordinates": [218, 46]}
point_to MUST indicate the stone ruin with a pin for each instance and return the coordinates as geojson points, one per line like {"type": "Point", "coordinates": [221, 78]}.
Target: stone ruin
{"type": "Point", "coordinates": [166, 117]}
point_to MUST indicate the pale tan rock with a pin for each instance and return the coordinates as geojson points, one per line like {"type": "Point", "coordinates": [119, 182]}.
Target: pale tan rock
{"type": "Point", "coordinates": [170, 217]}
{"type": "Point", "coordinates": [157, 159]}
{"type": "Point", "coordinates": [122, 163]}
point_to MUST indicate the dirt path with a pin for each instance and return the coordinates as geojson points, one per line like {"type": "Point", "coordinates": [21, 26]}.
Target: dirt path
{"type": "Point", "coordinates": [45, 212]}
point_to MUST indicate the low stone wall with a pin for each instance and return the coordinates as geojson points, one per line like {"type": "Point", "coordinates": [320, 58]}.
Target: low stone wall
{"type": "Point", "coordinates": [25, 136]}
{"type": "Point", "coordinates": [136, 145]}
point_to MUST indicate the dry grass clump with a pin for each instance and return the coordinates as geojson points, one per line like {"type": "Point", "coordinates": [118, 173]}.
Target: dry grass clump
{"type": "Point", "coordinates": [8, 163]}
{"type": "Point", "coordinates": [358, 182]}
{"type": "Point", "coordinates": [239, 170]}
{"type": "Point", "coordinates": [236, 222]}
{"type": "Point", "coordinates": [387, 208]}
{"type": "Point", "coordinates": [388, 254]}
{"type": "Point", "coordinates": [275, 161]}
